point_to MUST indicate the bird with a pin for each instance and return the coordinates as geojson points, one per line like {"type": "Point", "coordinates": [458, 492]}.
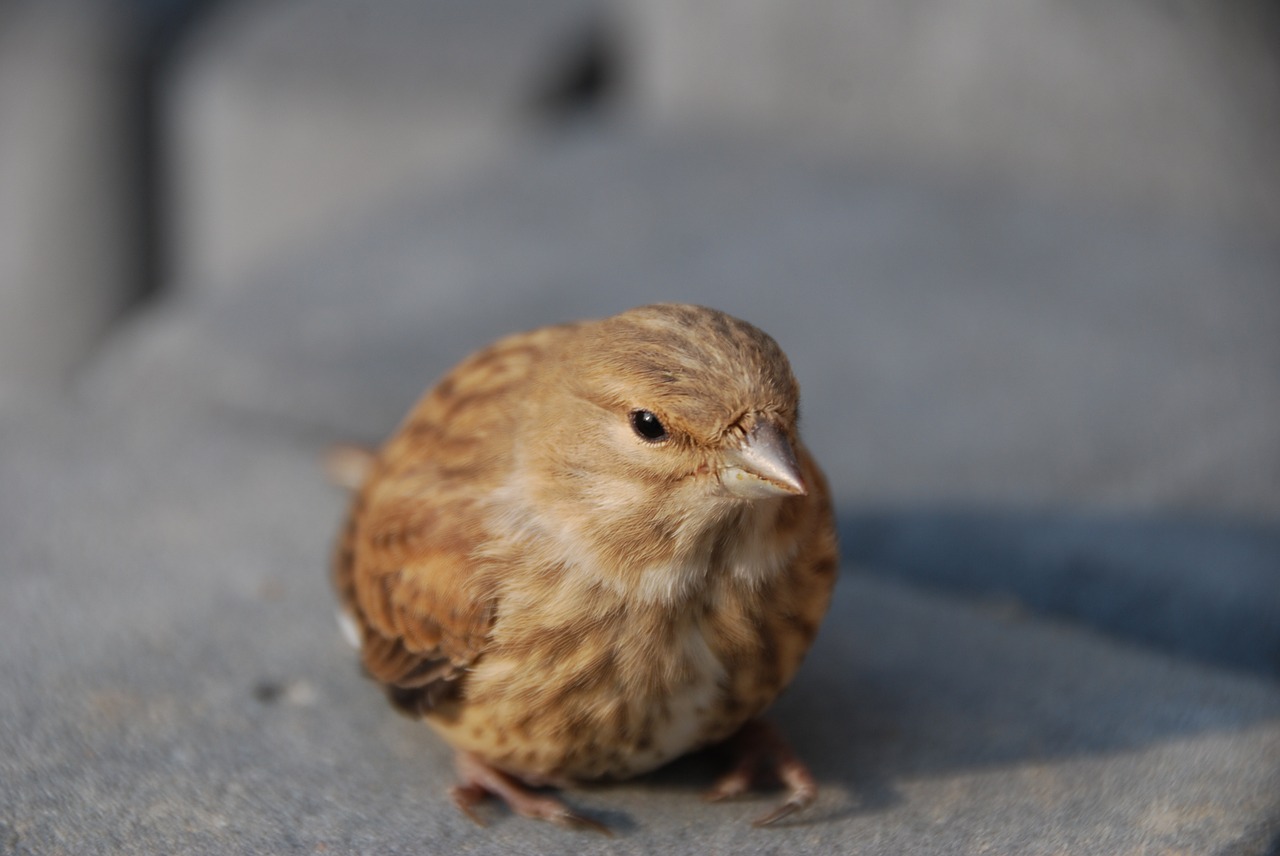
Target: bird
{"type": "Point", "coordinates": [590, 549]}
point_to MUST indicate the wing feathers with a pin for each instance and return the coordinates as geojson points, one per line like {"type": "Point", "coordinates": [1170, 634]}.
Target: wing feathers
{"type": "Point", "coordinates": [405, 567]}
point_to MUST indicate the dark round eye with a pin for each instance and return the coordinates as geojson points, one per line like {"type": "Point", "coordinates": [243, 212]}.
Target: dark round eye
{"type": "Point", "coordinates": [647, 425]}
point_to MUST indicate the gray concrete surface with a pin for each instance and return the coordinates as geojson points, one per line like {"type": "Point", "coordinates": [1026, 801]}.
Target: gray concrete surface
{"type": "Point", "coordinates": [1140, 102]}
{"type": "Point", "coordinates": [171, 679]}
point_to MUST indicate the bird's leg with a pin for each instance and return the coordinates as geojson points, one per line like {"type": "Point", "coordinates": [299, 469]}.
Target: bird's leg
{"type": "Point", "coordinates": [759, 748]}
{"type": "Point", "coordinates": [476, 779]}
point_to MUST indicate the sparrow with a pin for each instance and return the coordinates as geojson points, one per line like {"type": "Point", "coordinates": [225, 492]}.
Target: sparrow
{"type": "Point", "coordinates": [590, 549]}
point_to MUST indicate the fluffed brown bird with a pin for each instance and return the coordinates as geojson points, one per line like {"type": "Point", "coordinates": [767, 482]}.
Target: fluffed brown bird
{"type": "Point", "coordinates": [593, 548]}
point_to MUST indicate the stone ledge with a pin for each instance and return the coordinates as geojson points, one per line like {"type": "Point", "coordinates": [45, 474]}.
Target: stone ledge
{"type": "Point", "coordinates": [174, 683]}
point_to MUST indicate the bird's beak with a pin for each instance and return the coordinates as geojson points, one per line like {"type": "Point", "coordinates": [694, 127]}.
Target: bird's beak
{"type": "Point", "coordinates": [763, 466]}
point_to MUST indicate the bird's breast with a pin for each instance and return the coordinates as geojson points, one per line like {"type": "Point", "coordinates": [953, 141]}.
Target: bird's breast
{"type": "Point", "coordinates": [587, 686]}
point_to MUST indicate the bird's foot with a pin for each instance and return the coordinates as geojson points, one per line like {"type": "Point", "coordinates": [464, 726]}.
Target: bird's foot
{"type": "Point", "coordinates": [478, 780]}
{"type": "Point", "coordinates": [761, 751]}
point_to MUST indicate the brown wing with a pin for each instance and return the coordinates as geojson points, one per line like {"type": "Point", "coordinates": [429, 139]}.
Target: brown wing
{"type": "Point", "coordinates": [406, 569]}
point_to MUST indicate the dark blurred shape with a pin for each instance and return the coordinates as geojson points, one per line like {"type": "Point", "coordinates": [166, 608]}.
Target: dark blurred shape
{"type": "Point", "coordinates": [162, 26]}
{"type": "Point", "coordinates": [586, 77]}
{"type": "Point", "coordinates": [80, 226]}
{"type": "Point", "coordinates": [68, 219]}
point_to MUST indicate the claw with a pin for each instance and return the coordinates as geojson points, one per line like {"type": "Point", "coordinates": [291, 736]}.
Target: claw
{"type": "Point", "coordinates": [479, 780]}
{"type": "Point", "coordinates": [790, 805]}
{"type": "Point", "coordinates": [783, 810]}
{"type": "Point", "coordinates": [761, 749]}
{"type": "Point", "coordinates": [569, 820]}
{"type": "Point", "coordinates": [466, 797]}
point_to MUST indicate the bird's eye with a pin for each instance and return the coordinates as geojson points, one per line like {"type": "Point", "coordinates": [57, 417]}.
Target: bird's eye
{"type": "Point", "coordinates": [648, 426]}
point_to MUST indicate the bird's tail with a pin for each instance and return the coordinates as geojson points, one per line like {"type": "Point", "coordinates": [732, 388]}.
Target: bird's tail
{"type": "Point", "coordinates": [347, 465]}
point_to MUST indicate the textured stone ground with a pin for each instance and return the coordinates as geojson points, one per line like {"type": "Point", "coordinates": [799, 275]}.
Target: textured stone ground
{"type": "Point", "coordinates": [1051, 433]}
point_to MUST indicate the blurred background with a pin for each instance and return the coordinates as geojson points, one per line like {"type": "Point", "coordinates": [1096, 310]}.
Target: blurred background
{"type": "Point", "coordinates": [1024, 255]}
{"type": "Point", "coordinates": [157, 146]}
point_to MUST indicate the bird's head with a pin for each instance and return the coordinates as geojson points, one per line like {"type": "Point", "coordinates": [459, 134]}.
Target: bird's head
{"type": "Point", "coordinates": [663, 420]}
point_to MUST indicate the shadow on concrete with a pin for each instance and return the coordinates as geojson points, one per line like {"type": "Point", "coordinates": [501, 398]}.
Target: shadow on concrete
{"type": "Point", "coordinates": [1204, 589]}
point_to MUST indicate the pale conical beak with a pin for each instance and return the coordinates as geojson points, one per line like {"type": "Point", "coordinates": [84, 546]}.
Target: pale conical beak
{"type": "Point", "coordinates": [764, 465]}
